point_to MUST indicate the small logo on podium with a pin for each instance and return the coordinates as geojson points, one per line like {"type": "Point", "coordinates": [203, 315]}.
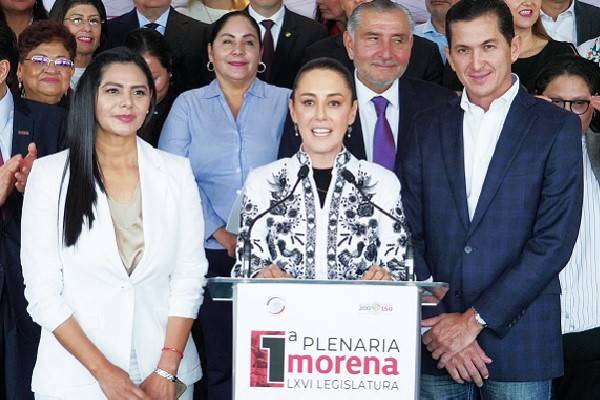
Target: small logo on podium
{"type": "Point", "coordinates": [275, 305]}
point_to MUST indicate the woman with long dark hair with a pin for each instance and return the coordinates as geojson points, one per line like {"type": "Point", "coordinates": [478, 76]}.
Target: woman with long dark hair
{"type": "Point", "coordinates": [115, 300]}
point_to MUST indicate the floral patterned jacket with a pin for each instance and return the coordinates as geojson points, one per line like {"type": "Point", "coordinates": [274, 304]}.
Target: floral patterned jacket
{"type": "Point", "coordinates": [340, 240]}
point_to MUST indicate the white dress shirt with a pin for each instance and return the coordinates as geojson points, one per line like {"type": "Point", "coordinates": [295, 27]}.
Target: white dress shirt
{"type": "Point", "coordinates": [564, 28]}
{"type": "Point", "coordinates": [481, 131]}
{"type": "Point", "coordinates": [580, 279]}
{"type": "Point", "coordinates": [161, 21]}
{"type": "Point", "coordinates": [368, 115]}
{"type": "Point", "coordinates": [277, 19]}
{"type": "Point", "coordinates": [7, 113]}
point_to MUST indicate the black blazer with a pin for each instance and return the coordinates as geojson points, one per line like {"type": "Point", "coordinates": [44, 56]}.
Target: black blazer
{"type": "Point", "coordinates": [425, 60]}
{"type": "Point", "coordinates": [415, 95]}
{"type": "Point", "coordinates": [297, 33]}
{"type": "Point", "coordinates": [587, 19]}
{"type": "Point", "coordinates": [187, 38]}
{"type": "Point", "coordinates": [42, 124]}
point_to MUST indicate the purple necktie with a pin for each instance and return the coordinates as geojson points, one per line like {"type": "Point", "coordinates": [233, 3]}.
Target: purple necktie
{"type": "Point", "coordinates": [268, 46]}
{"type": "Point", "coordinates": [384, 149]}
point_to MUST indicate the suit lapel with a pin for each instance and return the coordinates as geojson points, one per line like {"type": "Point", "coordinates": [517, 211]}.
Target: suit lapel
{"type": "Point", "coordinates": [23, 130]}
{"type": "Point", "coordinates": [174, 27]}
{"type": "Point", "coordinates": [285, 43]}
{"type": "Point", "coordinates": [405, 105]}
{"type": "Point", "coordinates": [453, 155]}
{"type": "Point", "coordinates": [516, 126]}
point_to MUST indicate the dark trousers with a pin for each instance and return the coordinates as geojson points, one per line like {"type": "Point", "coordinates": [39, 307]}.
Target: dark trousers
{"type": "Point", "coordinates": [212, 333]}
{"type": "Point", "coordinates": [19, 339]}
{"type": "Point", "coordinates": [581, 380]}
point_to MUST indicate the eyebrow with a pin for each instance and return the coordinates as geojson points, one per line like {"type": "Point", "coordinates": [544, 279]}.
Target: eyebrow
{"type": "Point", "coordinates": [314, 95]}
{"type": "Point", "coordinates": [119, 85]}
{"type": "Point", "coordinates": [252, 35]}
{"type": "Point", "coordinates": [82, 15]}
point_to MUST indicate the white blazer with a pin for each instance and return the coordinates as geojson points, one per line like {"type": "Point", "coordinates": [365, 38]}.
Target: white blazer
{"type": "Point", "coordinates": [89, 281]}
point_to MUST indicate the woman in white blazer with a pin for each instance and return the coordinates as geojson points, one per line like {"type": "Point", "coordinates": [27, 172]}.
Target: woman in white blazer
{"type": "Point", "coordinates": [112, 249]}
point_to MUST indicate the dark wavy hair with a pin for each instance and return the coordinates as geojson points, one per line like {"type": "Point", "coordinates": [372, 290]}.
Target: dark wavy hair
{"type": "Point", "coordinates": [61, 8]}
{"type": "Point", "coordinates": [573, 65]}
{"type": "Point", "coordinates": [469, 10]}
{"type": "Point", "coordinates": [217, 27]}
{"type": "Point", "coordinates": [8, 50]}
{"type": "Point", "coordinates": [46, 31]}
{"type": "Point", "coordinates": [82, 161]}
{"type": "Point", "coordinates": [149, 41]}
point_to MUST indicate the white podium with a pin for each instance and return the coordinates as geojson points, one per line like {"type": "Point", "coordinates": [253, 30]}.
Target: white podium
{"type": "Point", "coordinates": [334, 340]}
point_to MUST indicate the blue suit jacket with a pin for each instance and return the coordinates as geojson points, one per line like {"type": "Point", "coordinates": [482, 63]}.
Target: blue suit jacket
{"type": "Point", "coordinates": [505, 262]}
{"type": "Point", "coordinates": [44, 125]}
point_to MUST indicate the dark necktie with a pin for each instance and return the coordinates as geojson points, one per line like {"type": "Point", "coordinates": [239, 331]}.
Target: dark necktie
{"type": "Point", "coordinates": [268, 46]}
{"type": "Point", "coordinates": [152, 25]}
{"type": "Point", "coordinates": [384, 149]}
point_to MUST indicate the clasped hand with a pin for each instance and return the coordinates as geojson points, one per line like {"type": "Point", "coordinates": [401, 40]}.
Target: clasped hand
{"type": "Point", "coordinates": [452, 341]}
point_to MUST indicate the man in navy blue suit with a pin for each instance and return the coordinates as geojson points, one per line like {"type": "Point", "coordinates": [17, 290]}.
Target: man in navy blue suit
{"type": "Point", "coordinates": [492, 193]}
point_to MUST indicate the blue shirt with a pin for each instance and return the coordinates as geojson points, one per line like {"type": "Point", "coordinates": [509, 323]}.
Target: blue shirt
{"type": "Point", "coordinates": [221, 149]}
{"type": "Point", "coordinates": [427, 30]}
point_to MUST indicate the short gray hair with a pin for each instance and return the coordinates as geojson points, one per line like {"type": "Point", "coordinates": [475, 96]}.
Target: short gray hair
{"type": "Point", "coordinates": [377, 6]}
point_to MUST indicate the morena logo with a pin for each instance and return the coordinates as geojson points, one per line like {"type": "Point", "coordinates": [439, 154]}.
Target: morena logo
{"type": "Point", "coordinates": [267, 358]}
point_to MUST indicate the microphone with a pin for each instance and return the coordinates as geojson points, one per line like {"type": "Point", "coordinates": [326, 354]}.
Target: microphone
{"type": "Point", "coordinates": [408, 255]}
{"type": "Point", "coordinates": [302, 173]}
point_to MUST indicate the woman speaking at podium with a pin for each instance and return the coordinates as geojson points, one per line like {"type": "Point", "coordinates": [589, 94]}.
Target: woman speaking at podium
{"type": "Point", "coordinates": [322, 214]}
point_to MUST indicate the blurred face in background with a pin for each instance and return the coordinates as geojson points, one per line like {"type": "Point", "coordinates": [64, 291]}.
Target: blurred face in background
{"type": "Point", "coordinates": [525, 12]}
{"type": "Point", "coordinates": [439, 8]}
{"type": "Point", "coordinates": [161, 76]}
{"type": "Point", "coordinates": [572, 93]}
{"type": "Point", "coordinates": [85, 23]}
{"type": "Point", "coordinates": [331, 10]}
{"type": "Point", "coordinates": [17, 5]}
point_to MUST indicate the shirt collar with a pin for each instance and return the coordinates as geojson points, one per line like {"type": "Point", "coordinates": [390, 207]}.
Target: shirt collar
{"type": "Point", "coordinates": [162, 20]}
{"type": "Point", "coordinates": [505, 100]}
{"type": "Point", "coordinates": [256, 89]}
{"type": "Point", "coordinates": [342, 158]}
{"type": "Point", "coordinates": [277, 18]}
{"type": "Point", "coordinates": [568, 11]}
{"type": "Point", "coordinates": [7, 109]}
{"type": "Point", "coordinates": [365, 95]}
{"type": "Point", "coordinates": [428, 27]}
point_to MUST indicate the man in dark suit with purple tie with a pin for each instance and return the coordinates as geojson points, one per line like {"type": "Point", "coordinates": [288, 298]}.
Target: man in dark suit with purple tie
{"type": "Point", "coordinates": [379, 41]}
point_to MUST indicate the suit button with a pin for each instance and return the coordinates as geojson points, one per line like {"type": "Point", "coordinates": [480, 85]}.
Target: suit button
{"type": "Point", "coordinates": [468, 249]}
{"type": "Point", "coordinates": [458, 293]}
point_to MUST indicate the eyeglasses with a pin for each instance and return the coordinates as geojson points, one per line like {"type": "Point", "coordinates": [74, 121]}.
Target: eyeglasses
{"type": "Point", "coordinates": [575, 106]}
{"type": "Point", "coordinates": [78, 21]}
{"type": "Point", "coordinates": [61, 63]}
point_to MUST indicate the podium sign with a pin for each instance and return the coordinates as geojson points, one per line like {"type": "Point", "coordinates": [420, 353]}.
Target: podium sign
{"type": "Point", "coordinates": [319, 341]}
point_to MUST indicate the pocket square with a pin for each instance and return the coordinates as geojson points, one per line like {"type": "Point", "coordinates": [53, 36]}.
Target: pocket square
{"type": "Point", "coordinates": [23, 133]}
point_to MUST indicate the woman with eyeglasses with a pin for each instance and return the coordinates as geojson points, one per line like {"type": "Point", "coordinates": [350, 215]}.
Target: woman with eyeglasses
{"type": "Point", "coordinates": [573, 83]}
{"type": "Point", "coordinates": [85, 20]}
{"type": "Point", "coordinates": [46, 53]}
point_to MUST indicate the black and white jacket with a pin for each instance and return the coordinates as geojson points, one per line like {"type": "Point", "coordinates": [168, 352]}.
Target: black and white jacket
{"type": "Point", "coordinates": [340, 240]}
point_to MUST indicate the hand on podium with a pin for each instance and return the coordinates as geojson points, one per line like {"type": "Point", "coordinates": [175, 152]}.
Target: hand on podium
{"type": "Point", "coordinates": [377, 273]}
{"type": "Point", "coordinates": [272, 271]}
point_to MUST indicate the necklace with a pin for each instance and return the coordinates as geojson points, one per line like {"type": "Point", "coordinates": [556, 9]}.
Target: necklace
{"type": "Point", "coordinates": [321, 190]}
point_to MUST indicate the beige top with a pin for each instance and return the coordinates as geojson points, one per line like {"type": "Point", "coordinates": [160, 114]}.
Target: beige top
{"type": "Point", "coordinates": [129, 230]}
